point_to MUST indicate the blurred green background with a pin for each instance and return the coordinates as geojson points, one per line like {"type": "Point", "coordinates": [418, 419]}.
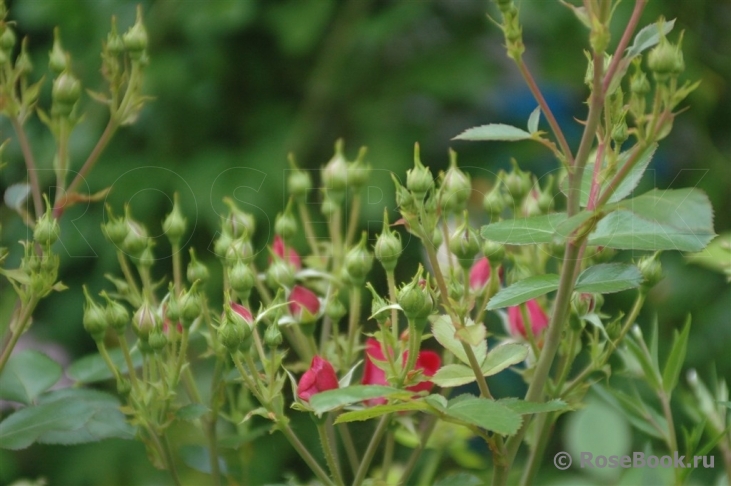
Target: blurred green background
{"type": "Point", "coordinates": [240, 83]}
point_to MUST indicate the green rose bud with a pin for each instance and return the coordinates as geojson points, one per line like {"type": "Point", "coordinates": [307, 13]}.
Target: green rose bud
{"type": "Point", "coordinates": [286, 224]}
{"type": "Point", "coordinates": [115, 229]}
{"type": "Point", "coordinates": [415, 298]}
{"type": "Point", "coordinates": [517, 182]}
{"type": "Point", "coordinates": [190, 306]}
{"type": "Point", "coordinates": [273, 336]}
{"type": "Point", "coordinates": [388, 246]}
{"type": "Point", "coordinates": [495, 253]}
{"type": "Point", "coordinates": [239, 250]}
{"type": "Point", "coordinates": [404, 198]}
{"type": "Point", "coordinates": [231, 337]}
{"type": "Point", "coordinates": [115, 314]}
{"type": "Point", "coordinates": [175, 223]}
{"type": "Point", "coordinates": [329, 206]}
{"type": "Point", "coordinates": [464, 244]}
{"type": "Point", "coordinates": [651, 271]}
{"type": "Point", "coordinates": [378, 305]}
{"type": "Point", "coordinates": [115, 44]}
{"type": "Point", "coordinates": [157, 340]}
{"type": "Point", "coordinates": [455, 188]}
{"type": "Point", "coordinates": [144, 321]}
{"type": "Point", "coordinates": [238, 223]}
{"type": "Point", "coordinates": [419, 180]}
{"type": "Point", "coordinates": [124, 387]}
{"type": "Point", "coordinates": [135, 39]}
{"type": "Point", "coordinates": [335, 173]}
{"type": "Point", "coordinates": [241, 278]}
{"type": "Point", "coordinates": [7, 38]}
{"type": "Point", "coordinates": [136, 240]}
{"type": "Point", "coordinates": [95, 319]}
{"type": "Point", "coordinates": [359, 171]}
{"type": "Point", "coordinates": [359, 261]}
{"type": "Point", "coordinates": [437, 237]}
{"type": "Point", "coordinates": [494, 202]}
{"type": "Point", "coordinates": [196, 269]}
{"type": "Point", "coordinates": [146, 258]}
{"type": "Point", "coordinates": [22, 63]}
{"type": "Point", "coordinates": [335, 309]}
{"type": "Point", "coordinates": [280, 274]}
{"type": "Point", "coordinates": [66, 90]}
{"type": "Point", "coordinates": [57, 60]}
{"type": "Point", "coordinates": [47, 230]}
{"type": "Point", "coordinates": [220, 248]}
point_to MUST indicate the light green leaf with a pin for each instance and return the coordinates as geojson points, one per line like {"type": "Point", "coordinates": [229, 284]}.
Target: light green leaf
{"type": "Point", "coordinates": [503, 356]}
{"type": "Point", "coordinates": [679, 219]}
{"type": "Point", "coordinates": [649, 36]}
{"type": "Point", "coordinates": [452, 375]}
{"type": "Point", "coordinates": [28, 374]}
{"type": "Point", "coordinates": [606, 278]}
{"type": "Point", "coordinates": [716, 256]}
{"type": "Point", "coordinates": [484, 413]}
{"type": "Point", "coordinates": [473, 334]}
{"type": "Point", "coordinates": [23, 427]}
{"type": "Point", "coordinates": [379, 410]}
{"type": "Point", "coordinates": [524, 231]}
{"type": "Point", "coordinates": [93, 368]}
{"type": "Point", "coordinates": [493, 132]}
{"type": "Point", "coordinates": [191, 411]}
{"type": "Point", "coordinates": [567, 227]}
{"type": "Point", "coordinates": [445, 333]}
{"type": "Point", "coordinates": [674, 364]}
{"type": "Point", "coordinates": [16, 195]}
{"type": "Point", "coordinates": [332, 399]}
{"type": "Point", "coordinates": [522, 407]}
{"type": "Point", "coordinates": [524, 290]}
{"type": "Point", "coordinates": [437, 401]}
{"type": "Point", "coordinates": [533, 120]}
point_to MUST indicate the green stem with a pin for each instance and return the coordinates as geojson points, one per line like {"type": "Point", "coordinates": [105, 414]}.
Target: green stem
{"type": "Point", "coordinates": [307, 225]}
{"type": "Point", "coordinates": [430, 424]}
{"type": "Point", "coordinates": [329, 455]}
{"type": "Point", "coordinates": [353, 318]}
{"type": "Point", "coordinates": [393, 297]}
{"type": "Point", "coordinates": [30, 164]}
{"type": "Point", "coordinates": [211, 435]}
{"type": "Point", "coordinates": [387, 455]}
{"type": "Point", "coordinates": [349, 445]}
{"type": "Point", "coordinates": [177, 268]}
{"type": "Point", "coordinates": [371, 450]}
{"type": "Point", "coordinates": [127, 272]}
{"type": "Point", "coordinates": [543, 428]}
{"type": "Point", "coordinates": [167, 450]}
{"type": "Point", "coordinates": [623, 43]}
{"type": "Point", "coordinates": [20, 326]}
{"type": "Point", "coordinates": [104, 140]}
{"type": "Point", "coordinates": [353, 220]}
{"type": "Point", "coordinates": [303, 452]}
{"type": "Point", "coordinates": [107, 359]}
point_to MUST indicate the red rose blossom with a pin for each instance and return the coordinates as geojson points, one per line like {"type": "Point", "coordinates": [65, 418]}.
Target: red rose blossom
{"type": "Point", "coordinates": [537, 316]}
{"type": "Point", "coordinates": [289, 255]}
{"type": "Point", "coordinates": [303, 303]}
{"type": "Point", "coordinates": [319, 378]}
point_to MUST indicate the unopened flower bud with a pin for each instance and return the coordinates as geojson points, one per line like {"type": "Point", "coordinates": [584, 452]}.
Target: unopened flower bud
{"type": "Point", "coordinates": [157, 340]}
{"type": "Point", "coordinates": [136, 240]}
{"type": "Point", "coordinates": [378, 304]}
{"type": "Point", "coordinates": [517, 182]}
{"type": "Point", "coordinates": [23, 65]}
{"type": "Point", "coordinates": [66, 89]}
{"type": "Point", "coordinates": [319, 378]}
{"type": "Point", "coordinates": [335, 173]}
{"type": "Point", "coordinates": [280, 274]}
{"type": "Point", "coordinates": [115, 44]}
{"type": "Point", "coordinates": [480, 274]}
{"type": "Point", "coordinates": [619, 133]}
{"type": "Point", "coordinates": [286, 253]}
{"type": "Point", "coordinates": [95, 319]}
{"type": "Point", "coordinates": [240, 250]}
{"type": "Point", "coordinates": [419, 180]}
{"type": "Point", "coordinates": [455, 188]}
{"type": "Point", "coordinates": [7, 38]}
{"type": "Point", "coordinates": [639, 84]}
{"type": "Point", "coordinates": [286, 224]}
{"type": "Point", "coordinates": [415, 298]}
{"type": "Point", "coordinates": [329, 206]}
{"type": "Point", "coordinates": [495, 252]}
{"type": "Point", "coordinates": [299, 184]}
{"type": "Point", "coordinates": [335, 309]}
{"type": "Point", "coordinates": [172, 308]}
{"type": "Point", "coordinates": [196, 269]}
{"type": "Point", "coordinates": [359, 261]}
{"type": "Point", "coordinates": [47, 230]}
{"type": "Point", "coordinates": [223, 242]}
{"type": "Point", "coordinates": [388, 246]}
{"type": "Point", "coordinates": [116, 315]}
{"type": "Point", "coordinates": [135, 39]}
{"type": "Point", "coordinates": [124, 387]}
{"type": "Point", "coordinates": [303, 304]}
{"type": "Point", "coordinates": [359, 171]}
{"type": "Point", "coordinates": [437, 237]}
{"type": "Point", "coordinates": [531, 207]}
{"type": "Point", "coordinates": [651, 271]}
{"type": "Point", "coordinates": [115, 229]}
{"type": "Point", "coordinates": [494, 202]}
{"type": "Point", "coordinates": [241, 278]}
{"type": "Point", "coordinates": [464, 244]}
{"type": "Point", "coordinates": [536, 315]}
{"type": "Point", "coordinates": [146, 258]}
{"type": "Point", "coordinates": [190, 306]}
{"type": "Point", "coordinates": [231, 336]}
{"type": "Point", "coordinates": [582, 303]}
{"type": "Point", "coordinates": [175, 223]}
{"type": "Point", "coordinates": [404, 198]}
{"type": "Point", "coordinates": [273, 336]}
{"type": "Point", "coordinates": [665, 59]}
{"type": "Point", "coordinates": [144, 321]}
{"type": "Point", "coordinates": [238, 223]}
{"type": "Point", "coordinates": [57, 60]}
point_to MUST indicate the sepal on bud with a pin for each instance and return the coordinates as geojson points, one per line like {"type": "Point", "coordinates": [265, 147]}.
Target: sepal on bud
{"type": "Point", "coordinates": [419, 180]}
{"type": "Point", "coordinates": [95, 319]}
{"type": "Point", "coordinates": [359, 261]}
{"type": "Point", "coordinates": [388, 246]}
{"type": "Point", "coordinates": [175, 223]}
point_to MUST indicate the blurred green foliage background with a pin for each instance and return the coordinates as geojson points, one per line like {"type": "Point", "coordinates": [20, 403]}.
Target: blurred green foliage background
{"type": "Point", "coordinates": [240, 83]}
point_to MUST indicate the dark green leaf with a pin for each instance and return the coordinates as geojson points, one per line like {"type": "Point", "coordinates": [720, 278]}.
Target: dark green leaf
{"type": "Point", "coordinates": [484, 413]}
{"type": "Point", "coordinates": [523, 291]}
{"type": "Point", "coordinates": [191, 411]}
{"type": "Point", "coordinates": [674, 364]}
{"type": "Point", "coordinates": [332, 399]}
{"type": "Point", "coordinates": [379, 410]}
{"type": "Point", "coordinates": [524, 231]}
{"type": "Point", "coordinates": [649, 36]}
{"type": "Point", "coordinates": [28, 374]}
{"type": "Point", "coordinates": [502, 357]}
{"type": "Point", "coordinates": [105, 422]}
{"type": "Point", "coordinates": [25, 426]}
{"type": "Point", "coordinates": [93, 368]}
{"type": "Point", "coordinates": [493, 132]}
{"type": "Point", "coordinates": [606, 278]}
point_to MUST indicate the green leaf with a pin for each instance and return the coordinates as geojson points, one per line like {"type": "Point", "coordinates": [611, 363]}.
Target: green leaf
{"type": "Point", "coordinates": [725, 404]}
{"type": "Point", "coordinates": [16, 195]}
{"type": "Point", "coordinates": [606, 278]}
{"type": "Point", "coordinates": [332, 399]}
{"type": "Point", "coordinates": [524, 290]}
{"type": "Point", "coordinates": [93, 368]}
{"type": "Point", "coordinates": [649, 36]}
{"type": "Point", "coordinates": [106, 420]}
{"type": "Point", "coordinates": [567, 227]}
{"type": "Point", "coordinates": [452, 375]}
{"type": "Point", "coordinates": [503, 356]}
{"type": "Point", "coordinates": [679, 219]}
{"type": "Point", "coordinates": [28, 374]}
{"type": "Point", "coordinates": [522, 407]}
{"type": "Point", "coordinates": [484, 413]}
{"type": "Point", "coordinates": [445, 333]}
{"type": "Point", "coordinates": [191, 411]}
{"type": "Point", "coordinates": [25, 426]}
{"type": "Point", "coordinates": [674, 364]}
{"type": "Point", "coordinates": [378, 410]}
{"type": "Point", "coordinates": [493, 132]}
{"type": "Point", "coordinates": [651, 374]}
{"type": "Point", "coordinates": [716, 256]}
{"type": "Point", "coordinates": [473, 334]}
{"type": "Point", "coordinates": [524, 231]}
{"type": "Point", "coordinates": [533, 120]}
